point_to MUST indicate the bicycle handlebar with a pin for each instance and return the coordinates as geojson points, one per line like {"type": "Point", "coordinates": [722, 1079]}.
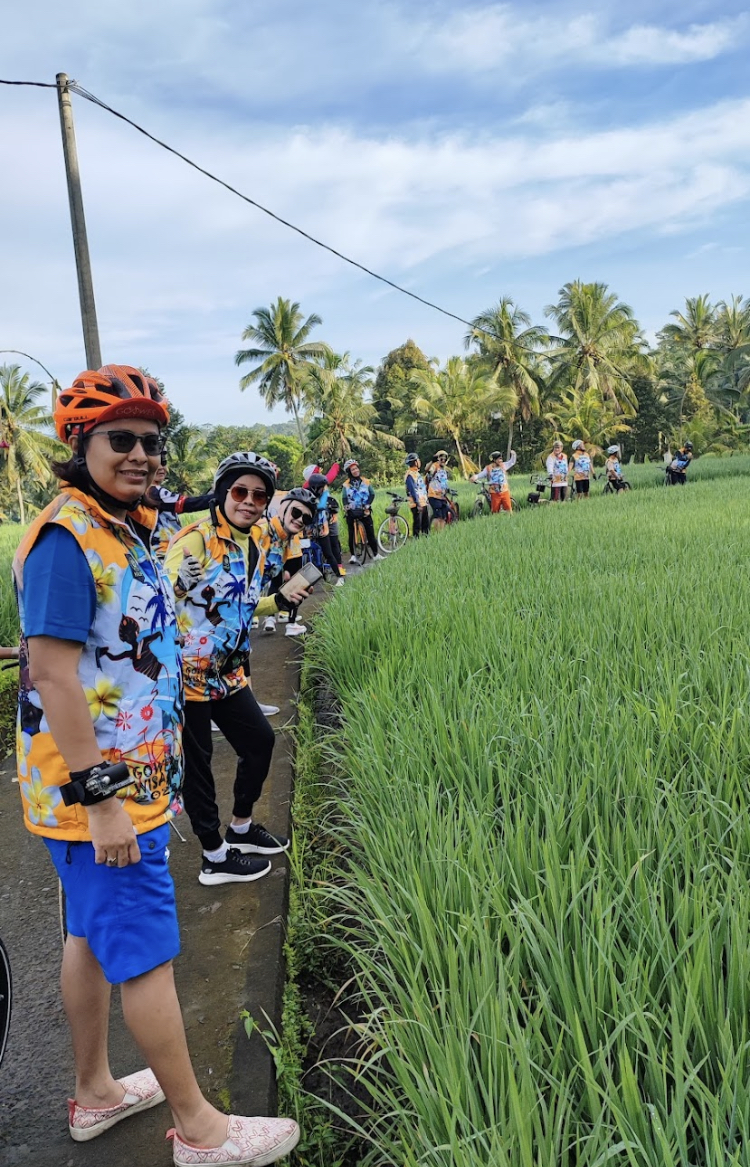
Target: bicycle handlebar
{"type": "Point", "coordinates": [9, 653]}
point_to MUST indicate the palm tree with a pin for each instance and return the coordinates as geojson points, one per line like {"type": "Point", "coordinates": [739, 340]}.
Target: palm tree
{"type": "Point", "coordinates": [23, 422]}
{"type": "Point", "coordinates": [733, 332]}
{"type": "Point", "coordinates": [696, 327]}
{"type": "Point", "coordinates": [187, 455]}
{"type": "Point", "coordinates": [508, 347]}
{"type": "Point", "coordinates": [599, 346]}
{"type": "Point", "coordinates": [340, 419]}
{"type": "Point", "coordinates": [459, 398]}
{"type": "Point", "coordinates": [285, 355]}
{"type": "Point", "coordinates": [580, 414]}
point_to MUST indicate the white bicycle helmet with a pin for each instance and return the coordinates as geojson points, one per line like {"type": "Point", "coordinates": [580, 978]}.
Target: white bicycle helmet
{"type": "Point", "coordinates": [249, 463]}
{"type": "Point", "coordinates": [350, 462]}
{"type": "Point", "coordinates": [613, 449]}
{"type": "Point", "coordinates": [577, 444]}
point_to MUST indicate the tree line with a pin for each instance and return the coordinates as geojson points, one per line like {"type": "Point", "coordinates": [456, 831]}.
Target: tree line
{"type": "Point", "coordinates": [588, 373]}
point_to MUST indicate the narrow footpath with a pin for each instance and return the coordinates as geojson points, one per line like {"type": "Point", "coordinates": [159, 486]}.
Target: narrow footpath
{"type": "Point", "coordinates": [232, 940]}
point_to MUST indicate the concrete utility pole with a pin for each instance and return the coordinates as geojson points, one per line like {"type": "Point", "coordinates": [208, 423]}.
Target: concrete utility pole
{"type": "Point", "coordinates": [80, 242]}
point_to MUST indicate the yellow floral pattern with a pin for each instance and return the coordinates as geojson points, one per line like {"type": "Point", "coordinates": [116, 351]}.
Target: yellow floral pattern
{"type": "Point", "coordinates": [105, 578]}
{"type": "Point", "coordinates": [41, 800]}
{"type": "Point", "coordinates": [104, 698]}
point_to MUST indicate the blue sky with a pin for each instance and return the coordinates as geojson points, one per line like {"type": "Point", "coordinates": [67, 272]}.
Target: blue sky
{"type": "Point", "coordinates": [467, 151]}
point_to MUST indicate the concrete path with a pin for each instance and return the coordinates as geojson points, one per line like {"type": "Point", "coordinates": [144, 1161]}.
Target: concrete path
{"type": "Point", "coordinates": [231, 960]}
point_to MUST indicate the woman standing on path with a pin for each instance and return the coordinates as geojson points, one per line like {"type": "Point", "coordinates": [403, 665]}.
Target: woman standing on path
{"type": "Point", "coordinates": [100, 762]}
{"type": "Point", "coordinates": [216, 568]}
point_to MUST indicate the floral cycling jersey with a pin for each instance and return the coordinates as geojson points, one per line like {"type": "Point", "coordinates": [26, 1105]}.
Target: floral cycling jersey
{"type": "Point", "coordinates": [130, 671]}
{"type": "Point", "coordinates": [276, 545]}
{"type": "Point", "coordinates": [169, 506]}
{"type": "Point", "coordinates": [613, 468]}
{"type": "Point", "coordinates": [581, 465]}
{"type": "Point", "coordinates": [496, 476]}
{"type": "Point", "coordinates": [438, 483]}
{"type": "Point", "coordinates": [357, 494]}
{"type": "Point", "coordinates": [215, 614]}
{"type": "Point", "coordinates": [416, 489]}
{"type": "Point", "coordinates": [557, 468]}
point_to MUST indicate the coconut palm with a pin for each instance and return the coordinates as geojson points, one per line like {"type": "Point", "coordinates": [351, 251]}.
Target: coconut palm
{"type": "Point", "coordinates": [187, 455]}
{"type": "Point", "coordinates": [599, 345]}
{"type": "Point", "coordinates": [696, 327]}
{"type": "Point", "coordinates": [26, 445]}
{"type": "Point", "coordinates": [508, 347]}
{"type": "Point", "coordinates": [340, 419]}
{"type": "Point", "coordinates": [580, 414]}
{"type": "Point", "coordinates": [459, 398]}
{"type": "Point", "coordinates": [284, 353]}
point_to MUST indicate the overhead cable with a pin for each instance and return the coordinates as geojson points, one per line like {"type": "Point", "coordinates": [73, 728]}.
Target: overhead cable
{"type": "Point", "coordinates": [74, 87]}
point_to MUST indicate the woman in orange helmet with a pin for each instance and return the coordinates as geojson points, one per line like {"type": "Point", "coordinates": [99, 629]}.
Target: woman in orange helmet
{"type": "Point", "coordinates": [100, 763]}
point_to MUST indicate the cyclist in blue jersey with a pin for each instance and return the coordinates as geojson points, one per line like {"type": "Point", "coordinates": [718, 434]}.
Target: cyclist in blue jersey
{"type": "Point", "coordinates": [357, 497]}
{"type": "Point", "coordinates": [677, 469]}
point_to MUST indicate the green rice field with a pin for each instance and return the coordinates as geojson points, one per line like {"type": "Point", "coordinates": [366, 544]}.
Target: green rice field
{"type": "Point", "coordinates": [539, 899]}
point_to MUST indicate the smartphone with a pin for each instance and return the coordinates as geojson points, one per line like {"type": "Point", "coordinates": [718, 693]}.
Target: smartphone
{"type": "Point", "coordinates": [307, 575]}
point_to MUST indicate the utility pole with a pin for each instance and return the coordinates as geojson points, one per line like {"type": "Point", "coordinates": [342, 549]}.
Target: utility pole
{"type": "Point", "coordinates": [78, 222]}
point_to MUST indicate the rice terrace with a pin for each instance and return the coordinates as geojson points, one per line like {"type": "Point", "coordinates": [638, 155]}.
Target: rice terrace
{"type": "Point", "coordinates": [535, 891]}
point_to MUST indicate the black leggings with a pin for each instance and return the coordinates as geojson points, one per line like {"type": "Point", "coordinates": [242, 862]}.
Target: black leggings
{"type": "Point", "coordinates": [420, 521]}
{"type": "Point", "coordinates": [335, 546]}
{"type": "Point", "coordinates": [324, 542]}
{"type": "Point", "coordinates": [252, 739]}
{"type": "Point", "coordinates": [366, 521]}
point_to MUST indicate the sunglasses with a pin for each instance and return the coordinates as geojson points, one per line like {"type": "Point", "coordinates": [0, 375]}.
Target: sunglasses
{"type": "Point", "coordinates": [299, 516]}
{"type": "Point", "coordinates": [240, 493]}
{"type": "Point", "coordinates": [123, 441]}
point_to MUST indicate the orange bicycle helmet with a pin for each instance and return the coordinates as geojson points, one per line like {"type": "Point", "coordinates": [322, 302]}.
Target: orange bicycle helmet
{"type": "Point", "coordinates": [108, 393]}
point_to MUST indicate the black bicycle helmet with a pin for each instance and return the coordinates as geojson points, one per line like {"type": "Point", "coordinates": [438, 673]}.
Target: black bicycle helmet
{"type": "Point", "coordinates": [317, 484]}
{"type": "Point", "coordinates": [301, 495]}
{"type": "Point", "coordinates": [688, 445]}
{"type": "Point", "coordinates": [333, 506]}
{"type": "Point", "coordinates": [410, 459]}
{"type": "Point", "coordinates": [495, 454]}
{"type": "Point", "coordinates": [247, 462]}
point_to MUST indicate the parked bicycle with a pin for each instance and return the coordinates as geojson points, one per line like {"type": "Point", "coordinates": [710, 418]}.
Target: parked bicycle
{"type": "Point", "coordinates": [483, 502]}
{"type": "Point", "coordinates": [361, 547]}
{"type": "Point", "coordinates": [312, 553]}
{"type": "Point", "coordinates": [394, 529]}
{"type": "Point", "coordinates": [454, 508]}
{"type": "Point", "coordinates": [6, 979]}
{"type": "Point", "coordinates": [611, 488]}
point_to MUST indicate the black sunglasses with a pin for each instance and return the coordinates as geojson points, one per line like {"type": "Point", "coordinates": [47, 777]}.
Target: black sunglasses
{"type": "Point", "coordinates": [299, 516]}
{"type": "Point", "coordinates": [123, 441]}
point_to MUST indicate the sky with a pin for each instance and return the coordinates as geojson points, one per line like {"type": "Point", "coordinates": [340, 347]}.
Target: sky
{"type": "Point", "coordinates": [466, 151]}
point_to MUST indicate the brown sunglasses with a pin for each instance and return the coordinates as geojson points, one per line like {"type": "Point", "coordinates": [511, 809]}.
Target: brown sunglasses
{"type": "Point", "coordinates": [240, 493]}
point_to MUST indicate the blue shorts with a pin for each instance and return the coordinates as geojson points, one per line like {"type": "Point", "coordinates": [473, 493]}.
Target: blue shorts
{"type": "Point", "coordinates": [127, 915]}
{"type": "Point", "coordinates": [439, 508]}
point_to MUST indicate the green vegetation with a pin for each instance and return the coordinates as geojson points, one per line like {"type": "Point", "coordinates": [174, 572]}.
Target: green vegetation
{"type": "Point", "coordinates": [531, 883]}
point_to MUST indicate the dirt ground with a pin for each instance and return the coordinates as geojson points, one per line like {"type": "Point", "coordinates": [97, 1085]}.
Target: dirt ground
{"type": "Point", "coordinates": [231, 959]}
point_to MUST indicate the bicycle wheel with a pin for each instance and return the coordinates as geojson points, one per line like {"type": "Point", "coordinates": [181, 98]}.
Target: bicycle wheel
{"type": "Point", "coordinates": [361, 549]}
{"type": "Point", "coordinates": [6, 997]}
{"type": "Point", "coordinates": [478, 508]}
{"type": "Point", "coordinates": [454, 513]}
{"type": "Point", "coordinates": [392, 533]}
{"type": "Point", "coordinates": [514, 505]}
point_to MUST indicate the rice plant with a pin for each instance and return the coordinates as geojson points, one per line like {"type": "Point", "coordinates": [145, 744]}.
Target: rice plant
{"type": "Point", "coordinates": [542, 800]}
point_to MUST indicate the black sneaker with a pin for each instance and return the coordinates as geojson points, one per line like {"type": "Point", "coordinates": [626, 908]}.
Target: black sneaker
{"type": "Point", "coordinates": [236, 868]}
{"type": "Point", "coordinates": [256, 841]}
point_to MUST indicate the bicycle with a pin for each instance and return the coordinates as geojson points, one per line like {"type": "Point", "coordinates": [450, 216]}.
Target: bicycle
{"type": "Point", "coordinates": [610, 488]}
{"type": "Point", "coordinates": [360, 547]}
{"type": "Point", "coordinates": [483, 502]}
{"type": "Point", "coordinates": [394, 529]}
{"type": "Point", "coordinates": [312, 553]}
{"type": "Point", "coordinates": [6, 979]}
{"type": "Point", "coordinates": [454, 508]}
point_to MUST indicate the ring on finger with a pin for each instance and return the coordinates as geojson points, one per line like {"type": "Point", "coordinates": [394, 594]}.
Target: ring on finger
{"type": "Point", "coordinates": [112, 860]}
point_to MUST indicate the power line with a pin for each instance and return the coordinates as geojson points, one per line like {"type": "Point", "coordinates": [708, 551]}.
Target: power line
{"type": "Point", "coordinates": [76, 88]}
{"type": "Point", "coordinates": [36, 84]}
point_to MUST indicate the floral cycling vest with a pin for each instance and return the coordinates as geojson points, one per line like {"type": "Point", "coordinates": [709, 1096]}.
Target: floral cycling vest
{"type": "Point", "coordinates": [276, 546]}
{"type": "Point", "coordinates": [130, 671]}
{"type": "Point", "coordinates": [167, 526]}
{"type": "Point", "coordinates": [438, 483]}
{"type": "Point", "coordinates": [581, 465]}
{"type": "Point", "coordinates": [357, 494]}
{"type": "Point", "coordinates": [419, 487]}
{"type": "Point", "coordinates": [560, 471]}
{"type": "Point", "coordinates": [215, 616]}
{"type": "Point", "coordinates": [497, 479]}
